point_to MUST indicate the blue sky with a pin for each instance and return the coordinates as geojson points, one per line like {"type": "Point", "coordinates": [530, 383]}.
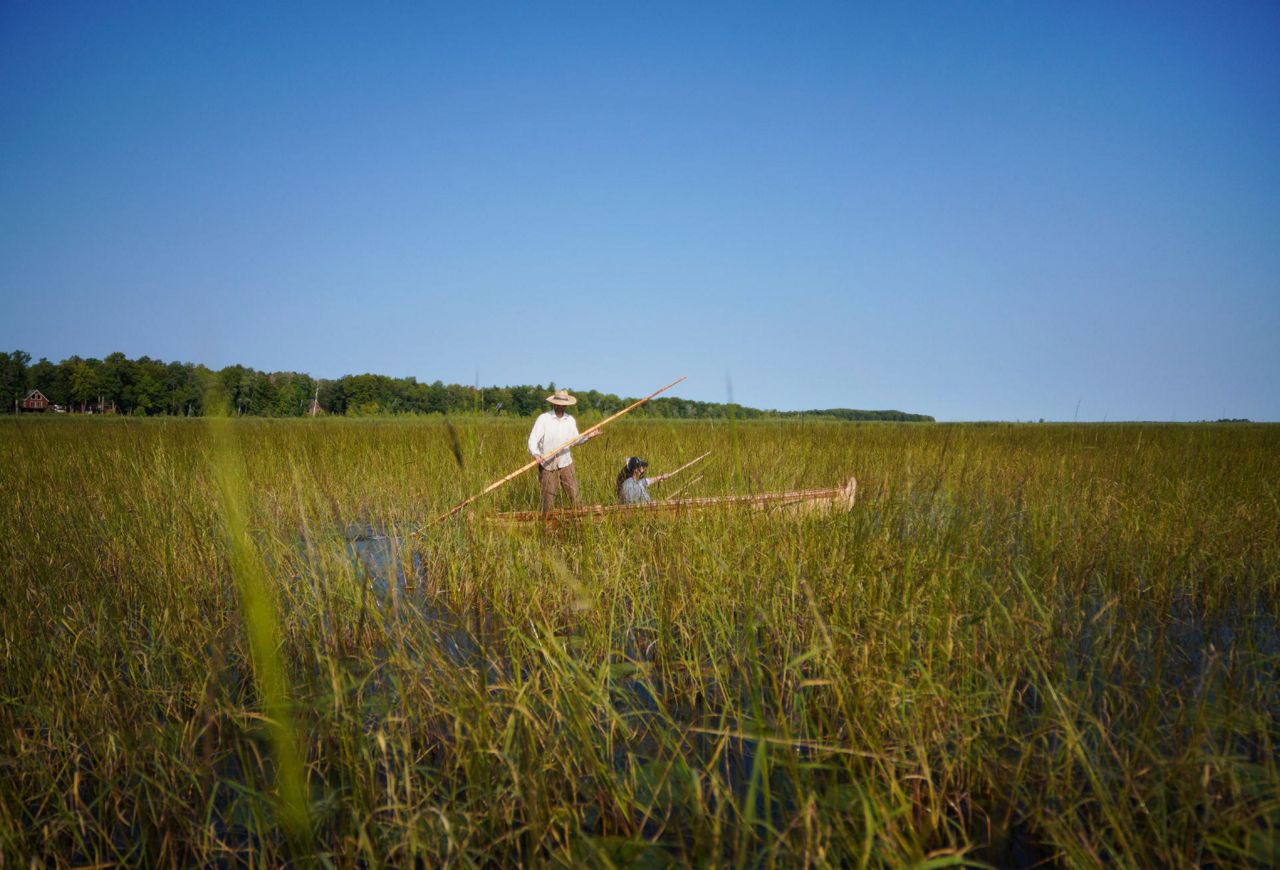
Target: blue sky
{"type": "Point", "coordinates": [976, 211]}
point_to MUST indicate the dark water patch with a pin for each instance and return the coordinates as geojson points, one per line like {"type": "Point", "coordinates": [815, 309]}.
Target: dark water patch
{"type": "Point", "coordinates": [415, 625]}
{"type": "Point", "coordinates": [1117, 649]}
{"type": "Point", "coordinates": [1014, 845]}
{"type": "Point", "coordinates": [1184, 651]}
{"type": "Point", "coordinates": [376, 552]}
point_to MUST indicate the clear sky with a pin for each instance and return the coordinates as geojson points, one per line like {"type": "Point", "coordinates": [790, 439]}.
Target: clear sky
{"type": "Point", "coordinates": [971, 210]}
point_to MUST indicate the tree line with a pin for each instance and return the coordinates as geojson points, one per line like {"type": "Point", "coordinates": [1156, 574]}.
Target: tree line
{"type": "Point", "coordinates": [148, 387]}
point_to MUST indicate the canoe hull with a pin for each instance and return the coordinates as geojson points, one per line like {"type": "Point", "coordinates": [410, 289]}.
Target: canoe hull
{"type": "Point", "coordinates": [800, 501]}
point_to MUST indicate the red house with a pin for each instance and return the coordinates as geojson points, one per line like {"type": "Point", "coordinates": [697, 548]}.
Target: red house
{"type": "Point", "coordinates": [35, 401]}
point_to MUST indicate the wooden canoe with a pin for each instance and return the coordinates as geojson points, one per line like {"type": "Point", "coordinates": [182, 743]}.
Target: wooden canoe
{"type": "Point", "coordinates": [795, 501]}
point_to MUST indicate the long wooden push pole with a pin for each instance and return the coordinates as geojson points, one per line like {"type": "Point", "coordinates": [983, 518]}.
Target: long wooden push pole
{"type": "Point", "coordinates": [671, 474]}
{"type": "Point", "coordinates": [553, 453]}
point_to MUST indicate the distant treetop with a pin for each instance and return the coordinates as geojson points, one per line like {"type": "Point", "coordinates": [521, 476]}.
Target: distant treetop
{"type": "Point", "coordinates": [147, 386]}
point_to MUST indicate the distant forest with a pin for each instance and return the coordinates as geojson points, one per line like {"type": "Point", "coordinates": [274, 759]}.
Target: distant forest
{"type": "Point", "coordinates": [149, 387]}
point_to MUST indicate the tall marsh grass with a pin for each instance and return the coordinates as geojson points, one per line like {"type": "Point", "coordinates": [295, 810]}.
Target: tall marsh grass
{"type": "Point", "coordinates": [225, 643]}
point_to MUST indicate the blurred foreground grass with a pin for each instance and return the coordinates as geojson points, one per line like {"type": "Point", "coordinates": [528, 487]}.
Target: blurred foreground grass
{"type": "Point", "coordinates": [1025, 643]}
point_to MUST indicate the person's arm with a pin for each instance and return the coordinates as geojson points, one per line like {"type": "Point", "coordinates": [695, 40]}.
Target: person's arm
{"type": "Point", "coordinates": [591, 433]}
{"type": "Point", "coordinates": [576, 439]}
{"type": "Point", "coordinates": [535, 439]}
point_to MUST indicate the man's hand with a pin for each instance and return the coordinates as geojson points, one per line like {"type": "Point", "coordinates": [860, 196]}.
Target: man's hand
{"type": "Point", "coordinates": [538, 458]}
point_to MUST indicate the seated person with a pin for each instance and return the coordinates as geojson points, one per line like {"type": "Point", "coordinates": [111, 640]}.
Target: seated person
{"type": "Point", "coordinates": [632, 485]}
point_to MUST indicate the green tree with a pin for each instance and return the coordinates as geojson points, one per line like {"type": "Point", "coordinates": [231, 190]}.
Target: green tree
{"type": "Point", "coordinates": [13, 377]}
{"type": "Point", "coordinates": [115, 377]}
{"type": "Point", "coordinates": [142, 390]}
{"type": "Point", "coordinates": [85, 382]}
{"type": "Point", "coordinates": [262, 395]}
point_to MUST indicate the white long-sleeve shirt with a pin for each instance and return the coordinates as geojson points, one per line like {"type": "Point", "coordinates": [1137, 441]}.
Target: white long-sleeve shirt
{"type": "Point", "coordinates": [549, 432]}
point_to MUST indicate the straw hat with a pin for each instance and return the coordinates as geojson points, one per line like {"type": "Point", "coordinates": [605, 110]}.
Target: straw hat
{"type": "Point", "coordinates": [562, 397]}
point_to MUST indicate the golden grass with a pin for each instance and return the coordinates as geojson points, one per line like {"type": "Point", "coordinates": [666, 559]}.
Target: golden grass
{"type": "Point", "coordinates": [1023, 643]}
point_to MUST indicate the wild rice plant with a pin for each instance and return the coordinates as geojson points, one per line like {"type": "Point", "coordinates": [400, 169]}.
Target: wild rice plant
{"type": "Point", "coordinates": [228, 643]}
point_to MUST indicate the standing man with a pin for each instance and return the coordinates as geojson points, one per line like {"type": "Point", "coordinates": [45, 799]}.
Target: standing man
{"type": "Point", "coordinates": [552, 429]}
